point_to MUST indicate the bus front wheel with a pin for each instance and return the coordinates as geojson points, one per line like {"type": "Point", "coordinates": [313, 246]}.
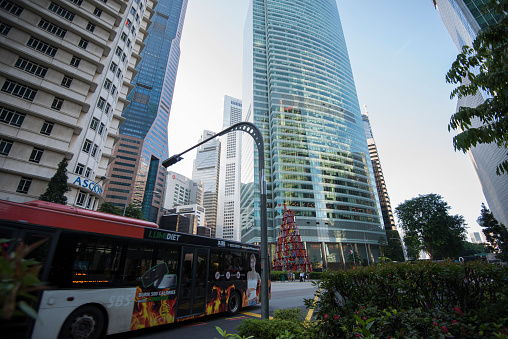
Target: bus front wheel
{"type": "Point", "coordinates": [234, 303]}
{"type": "Point", "coordinates": [86, 322]}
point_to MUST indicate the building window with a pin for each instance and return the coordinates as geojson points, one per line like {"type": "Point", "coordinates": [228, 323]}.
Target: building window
{"type": "Point", "coordinates": [61, 11]}
{"type": "Point", "coordinates": [128, 23]}
{"type": "Point", "coordinates": [108, 107]}
{"type": "Point", "coordinates": [11, 117]}
{"type": "Point", "coordinates": [10, 7]}
{"type": "Point", "coordinates": [36, 155]}
{"type": "Point", "coordinates": [90, 27]}
{"type": "Point", "coordinates": [124, 57]}
{"type": "Point", "coordinates": [57, 103]}
{"type": "Point", "coordinates": [83, 43]}
{"type": "Point", "coordinates": [137, 17]}
{"type": "Point", "coordinates": [101, 128]}
{"type": "Point", "coordinates": [123, 36]}
{"type": "Point", "coordinates": [80, 200]}
{"type": "Point", "coordinates": [24, 185]}
{"type": "Point", "coordinates": [66, 81]}
{"type": "Point", "coordinates": [5, 146]}
{"type": "Point", "coordinates": [113, 90]}
{"type": "Point", "coordinates": [77, 2]}
{"type": "Point", "coordinates": [41, 46]}
{"type": "Point", "coordinates": [118, 51]}
{"type": "Point", "coordinates": [47, 127]}
{"type": "Point", "coordinates": [80, 168]}
{"type": "Point", "coordinates": [94, 150]}
{"type": "Point", "coordinates": [133, 29]}
{"type": "Point", "coordinates": [118, 73]}
{"type": "Point", "coordinates": [128, 42]}
{"type": "Point", "coordinates": [97, 12]}
{"type": "Point", "coordinates": [75, 61]}
{"type": "Point", "coordinates": [4, 29]}
{"type": "Point", "coordinates": [52, 28]}
{"type": "Point", "coordinates": [101, 103]}
{"type": "Point", "coordinates": [19, 90]}
{"type": "Point", "coordinates": [107, 84]}
{"type": "Point", "coordinates": [31, 67]}
{"type": "Point", "coordinates": [87, 146]}
{"type": "Point", "coordinates": [113, 67]}
{"type": "Point", "coordinates": [88, 172]}
{"type": "Point", "coordinates": [94, 123]}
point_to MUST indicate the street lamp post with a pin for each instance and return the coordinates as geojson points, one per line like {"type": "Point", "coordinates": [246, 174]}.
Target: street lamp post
{"type": "Point", "coordinates": [255, 133]}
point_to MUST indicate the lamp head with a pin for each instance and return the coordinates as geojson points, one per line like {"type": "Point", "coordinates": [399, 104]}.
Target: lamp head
{"type": "Point", "coordinates": [172, 160]}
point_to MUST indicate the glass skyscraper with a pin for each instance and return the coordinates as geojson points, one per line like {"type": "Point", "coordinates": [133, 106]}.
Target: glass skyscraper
{"type": "Point", "coordinates": [299, 90]}
{"type": "Point", "coordinates": [137, 174]}
{"type": "Point", "coordinates": [464, 19]}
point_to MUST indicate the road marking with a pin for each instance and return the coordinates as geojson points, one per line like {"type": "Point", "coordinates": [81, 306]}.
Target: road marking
{"type": "Point", "coordinates": [254, 314]}
{"type": "Point", "coordinates": [237, 318]}
{"type": "Point", "coordinates": [311, 310]}
{"type": "Point", "coordinates": [196, 324]}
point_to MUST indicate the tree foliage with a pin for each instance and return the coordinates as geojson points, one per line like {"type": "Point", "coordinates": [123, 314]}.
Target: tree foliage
{"type": "Point", "coordinates": [132, 211]}
{"type": "Point", "coordinates": [484, 66]}
{"type": "Point", "coordinates": [471, 249]}
{"type": "Point", "coordinates": [429, 227]}
{"type": "Point", "coordinates": [495, 232]}
{"type": "Point", "coordinates": [58, 185]}
{"type": "Point", "coordinates": [393, 248]}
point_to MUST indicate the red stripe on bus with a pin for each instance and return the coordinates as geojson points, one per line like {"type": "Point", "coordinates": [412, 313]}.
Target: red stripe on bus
{"type": "Point", "coordinates": [68, 217]}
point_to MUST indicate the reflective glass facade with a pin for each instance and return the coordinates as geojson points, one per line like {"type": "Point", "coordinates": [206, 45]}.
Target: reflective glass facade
{"type": "Point", "coordinates": [150, 102]}
{"type": "Point", "coordinates": [464, 19]}
{"type": "Point", "coordinates": [299, 90]}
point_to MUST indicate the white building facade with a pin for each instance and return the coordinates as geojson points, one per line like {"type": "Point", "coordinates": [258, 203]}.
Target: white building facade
{"type": "Point", "coordinates": [181, 190]}
{"type": "Point", "coordinates": [228, 209]}
{"type": "Point", "coordinates": [65, 72]}
{"type": "Point", "coordinates": [206, 168]}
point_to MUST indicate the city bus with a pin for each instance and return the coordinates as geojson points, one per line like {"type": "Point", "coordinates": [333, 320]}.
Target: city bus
{"type": "Point", "coordinates": [107, 274]}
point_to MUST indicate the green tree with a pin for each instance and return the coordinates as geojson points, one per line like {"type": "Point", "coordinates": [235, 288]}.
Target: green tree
{"type": "Point", "coordinates": [132, 211]}
{"type": "Point", "coordinates": [495, 232]}
{"type": "Point", "coordinates": [428, 227]}
{"type": "Point", "coordinates": [393, 248]}
{"type": "Point", "coordinates": [484, 66]}
{"type": "Point", "coordinates": [58, 185]}
{"type": "Point", "coordinates": [471, 249]}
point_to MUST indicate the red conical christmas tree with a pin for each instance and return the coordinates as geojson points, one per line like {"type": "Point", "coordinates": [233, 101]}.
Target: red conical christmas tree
{"type": "Point", "coordinates": [290, 254]}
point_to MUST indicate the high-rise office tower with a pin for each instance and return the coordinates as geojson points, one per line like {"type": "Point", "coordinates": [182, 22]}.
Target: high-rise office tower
{"type": "Point", "coordinates": [463, 20]}
{"type": "Point", "coordinates": [66, 68]}
{"type": "Point", "coordinates": [181, 190]}
{"type": "Point", "coordinates": [206, 168]}
{"type": "Point", "coordinates": [384, 199]}
{"type": "Point", "coordinates": [228, 208]}
{"type": "Point", "coordinates": [299, 90]}
{"type": "Point", "coordinates": [136, 174]}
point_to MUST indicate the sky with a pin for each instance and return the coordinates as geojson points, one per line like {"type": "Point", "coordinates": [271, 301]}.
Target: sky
{"type": "Point", "coordinates": [400, 52]}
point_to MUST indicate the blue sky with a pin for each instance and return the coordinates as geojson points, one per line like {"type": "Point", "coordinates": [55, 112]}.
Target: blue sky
{"type": "Point", "coordinates": [399, 52]}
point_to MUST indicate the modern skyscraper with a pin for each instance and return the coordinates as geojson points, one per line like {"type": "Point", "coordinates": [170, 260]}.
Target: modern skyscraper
{"type": "Point", "coordinates": [299, 90]}
{"type": "Point", "coordinates": [463, 20]}
{"type": "Point", "coordinates": [66, 68]}
{"type": "Point", "coordinates": [136, 174]}
{"type": "Point", "coordinates": [181, 190]}
{"type": "Point", "coordinates": [384, 199]}
{"type": "Point", "coordinates": [206, 168]}
{"type": "Point", "coordinates": [228, 208]}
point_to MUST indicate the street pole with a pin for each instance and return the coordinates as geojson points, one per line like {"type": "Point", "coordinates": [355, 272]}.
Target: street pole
{"type": "Point", "coordinates": [255, 133]}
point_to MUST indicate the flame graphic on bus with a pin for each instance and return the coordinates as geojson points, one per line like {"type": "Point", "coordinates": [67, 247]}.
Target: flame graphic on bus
{"type": "Point", "coordinates": [148, 313]}
{"type": "Point", "coordinates": [220, 302]}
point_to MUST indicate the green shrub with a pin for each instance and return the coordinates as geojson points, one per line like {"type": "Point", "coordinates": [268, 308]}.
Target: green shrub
{"type": "Point", "coordinates": [315, 275]}
{"type": "Point", "coordinates": [276, 275]}
{"type": "Point", "coordinates": [271, 329]}
{"type": "Point", "coordinates": [291, 314]}
{"type": "Point", "coordinates": [420, 299]}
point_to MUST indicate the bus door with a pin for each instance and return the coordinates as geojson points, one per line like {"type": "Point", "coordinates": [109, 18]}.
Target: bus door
{"type": "Point", "coordinates": [192, 291]}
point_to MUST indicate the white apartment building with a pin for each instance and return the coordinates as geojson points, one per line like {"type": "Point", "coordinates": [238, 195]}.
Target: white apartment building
{"type": "Point", "coordinates": [65, 71]}
{"type": "Point", "coordinates": [181, 190]}
{"type": "Point", "coordinates": [228, 207]}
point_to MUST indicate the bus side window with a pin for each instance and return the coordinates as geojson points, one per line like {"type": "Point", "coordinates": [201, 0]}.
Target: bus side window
{"type": "Point", "coordinates": [169, 255]}
{"type": "Point", "coordinates": [139, 259]}
{"type": "Point", "coordinates": [216, 265]}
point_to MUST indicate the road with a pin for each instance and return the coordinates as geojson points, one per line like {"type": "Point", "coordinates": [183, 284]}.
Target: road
{"type": "Point", "coordinates": [284, 295]}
